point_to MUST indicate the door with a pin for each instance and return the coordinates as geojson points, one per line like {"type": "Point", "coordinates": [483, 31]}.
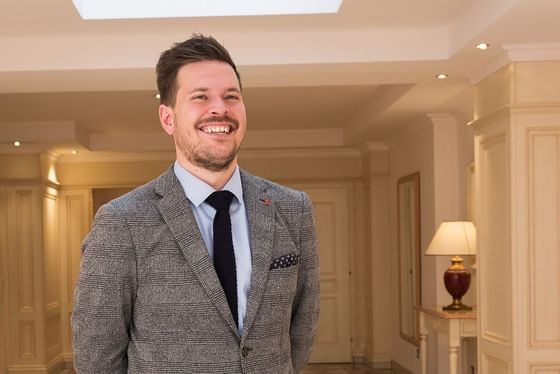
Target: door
{"type": "Point", "coordinates": [3, 333]}
{"type": "Point", "coordinates": [331, 214]}
{"type": "Point", "coordinates": [3, 281]}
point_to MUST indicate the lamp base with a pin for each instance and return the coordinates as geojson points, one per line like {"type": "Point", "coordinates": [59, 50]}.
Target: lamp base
{"type": "Point", "coordinates": [457, 280]}
{"type": "Point", "coordinates": [457, 306]}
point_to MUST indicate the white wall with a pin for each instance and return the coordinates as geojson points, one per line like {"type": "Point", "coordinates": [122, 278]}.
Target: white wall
{"type": "Point", "coordinates": [411, 152]}
{"type": "Point", "coordinates": [440, 149]}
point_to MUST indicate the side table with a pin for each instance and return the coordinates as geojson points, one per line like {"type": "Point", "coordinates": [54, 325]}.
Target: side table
{"type": "Point", "coordinates": [456, 325]}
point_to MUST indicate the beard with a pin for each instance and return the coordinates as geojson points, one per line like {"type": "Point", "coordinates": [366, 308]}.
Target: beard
{"type": "Point", "coordinates": [211, 163]}
{"type": "Point", "coordinates": [202, 155]}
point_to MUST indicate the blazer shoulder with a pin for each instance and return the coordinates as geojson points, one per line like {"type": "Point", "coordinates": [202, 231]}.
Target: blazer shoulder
{"type": "Point", "coordinates": [140, 198]}
{"type": "Point", "coordinates": [276, 191]}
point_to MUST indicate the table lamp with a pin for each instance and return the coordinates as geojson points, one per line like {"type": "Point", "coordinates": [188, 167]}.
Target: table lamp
{"type": "Point", "coordinates": [455, 238]}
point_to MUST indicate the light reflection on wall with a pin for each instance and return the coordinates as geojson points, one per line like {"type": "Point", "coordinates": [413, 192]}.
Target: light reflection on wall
{"type": "Point", "coordinates": [51, 175]}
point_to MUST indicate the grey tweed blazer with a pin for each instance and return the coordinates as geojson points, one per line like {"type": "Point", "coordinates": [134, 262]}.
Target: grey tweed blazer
{"type": "Point", "coordinates": [148, 299]}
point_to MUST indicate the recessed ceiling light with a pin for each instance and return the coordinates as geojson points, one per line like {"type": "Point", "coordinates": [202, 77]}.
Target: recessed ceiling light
{"type": "Point", "coordinates": [158, 96]}
{"type": "Point", "coordinates": [74, 152]}
{"type": "Point", "coordinates": [482, 46]}
{"type": "Point", "coordinates": [123, 9]}
{"type": "Point", "coordinates": [441, 76]}
{"type": "Point", "coordinates": [17, 144]}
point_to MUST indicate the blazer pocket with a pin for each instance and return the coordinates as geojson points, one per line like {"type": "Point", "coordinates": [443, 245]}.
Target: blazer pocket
{"type": "Point", "coordinates": [284, 261]}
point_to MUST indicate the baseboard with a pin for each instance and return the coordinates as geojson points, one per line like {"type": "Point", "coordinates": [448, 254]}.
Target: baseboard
{"type": "Point", "coordinates": [68, 363]}
{"type": "Point", "coordinates": [372, 364]}
{"type": "Point", "coordinates": [398, 369]}
{"type": "Point", "coordinates": [359, 360]}
{"type": "Point", "coordinates": [56, 365]}
{"type": "Point", "coordinates": [28, 369]}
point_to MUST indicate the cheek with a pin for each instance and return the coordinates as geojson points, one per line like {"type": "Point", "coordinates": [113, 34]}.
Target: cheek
{"type": "Point", "coordinates": [189, 114]}
{"type": "Point", "coordinates": [241, 117]}
{"type": "Point", "coordinates": [239, 110]}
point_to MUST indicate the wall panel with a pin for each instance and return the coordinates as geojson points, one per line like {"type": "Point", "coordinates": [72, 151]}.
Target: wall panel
{"type": "Point", "coordinates": [544, 221]}
{"type": "Point", "coordinates": [494, 365]}
{"type": "Point", "coordinates": [494, 254]}
{"type": "Point", "coordinates": [52, 336]}
{"type": "Point", "coordinates": [25, 274]}
{"type": "Point", "coordinates": [75, 222]}
{"type": "Point", "coordinates": [51, 248]}
{"type": "Point", "coordinates": [544, 369]}
{"type": "Point", "coordinates": [27, 340]}
{"type": "Point", "coordinates": [530, 253]}
{"type": "Point", "coordinates": [23, 251]}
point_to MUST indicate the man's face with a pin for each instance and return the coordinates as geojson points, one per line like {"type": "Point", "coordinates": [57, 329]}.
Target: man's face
{"type": "Point", "coordinates": [208, 121]}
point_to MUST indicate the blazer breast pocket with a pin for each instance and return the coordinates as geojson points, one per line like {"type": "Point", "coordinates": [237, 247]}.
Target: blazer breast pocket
{"type": "Point", "coordinates": [282, 277]}
{"type": "Point", "coordinates": [284, 261]}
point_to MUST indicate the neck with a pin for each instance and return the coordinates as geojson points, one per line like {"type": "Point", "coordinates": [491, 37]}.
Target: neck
{"type": "Point", "coordinates": [216, 179]}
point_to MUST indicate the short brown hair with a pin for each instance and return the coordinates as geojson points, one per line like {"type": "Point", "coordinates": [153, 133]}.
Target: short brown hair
{"type": "Point", "coordinates": [197, 48]}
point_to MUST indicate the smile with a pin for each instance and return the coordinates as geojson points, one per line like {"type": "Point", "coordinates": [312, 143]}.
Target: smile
{"type": "Point", "coordinates": [216, 129]}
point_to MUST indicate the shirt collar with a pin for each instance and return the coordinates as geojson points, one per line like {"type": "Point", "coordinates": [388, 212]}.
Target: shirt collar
{"type": "Point", "coordinates": [197, 190]}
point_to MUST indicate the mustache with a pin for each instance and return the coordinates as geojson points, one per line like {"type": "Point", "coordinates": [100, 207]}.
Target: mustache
{"type": "Point", "coordinates": [225, 118]}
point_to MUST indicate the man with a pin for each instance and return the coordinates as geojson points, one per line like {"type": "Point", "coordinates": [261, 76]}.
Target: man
{"type": "Point", "coordinates": [169, 283]}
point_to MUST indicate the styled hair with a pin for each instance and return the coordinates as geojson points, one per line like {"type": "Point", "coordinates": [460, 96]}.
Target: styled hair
{"type": "Point", "coordinates": [197, 48]}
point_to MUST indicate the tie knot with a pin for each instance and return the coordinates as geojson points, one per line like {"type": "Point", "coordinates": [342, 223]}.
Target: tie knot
{"type": "Point", "coordinates": [220, 200]}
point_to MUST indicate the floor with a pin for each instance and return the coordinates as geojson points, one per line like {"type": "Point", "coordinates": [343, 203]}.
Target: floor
{"type": "Point", "coordinates": [343, 369]}
{"type": "Point", "coordinates": [325, 369]}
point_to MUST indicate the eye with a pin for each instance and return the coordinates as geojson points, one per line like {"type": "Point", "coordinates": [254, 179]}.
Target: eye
{"type": "Point", "coordinates": [200, 97]}
{"type": "Point", "coordinates": [233, 97]}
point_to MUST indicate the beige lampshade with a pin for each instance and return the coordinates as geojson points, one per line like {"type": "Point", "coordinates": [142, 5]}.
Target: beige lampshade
{"type": "Point", "coordinates": [453, 238]}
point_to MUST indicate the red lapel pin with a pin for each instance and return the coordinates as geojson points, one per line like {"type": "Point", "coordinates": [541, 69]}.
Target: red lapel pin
{"type": "Point", "coordinates": [266, 202]}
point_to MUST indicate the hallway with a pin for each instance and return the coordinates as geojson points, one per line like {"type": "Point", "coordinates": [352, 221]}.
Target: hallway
{"type": "Point", "coordinates": [326, 369]}
{"type": "Point", "coordinates": [343, 369]}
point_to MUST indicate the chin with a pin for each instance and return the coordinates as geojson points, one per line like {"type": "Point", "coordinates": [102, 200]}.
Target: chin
{"type": "Point", "coordinates": [214, 165]}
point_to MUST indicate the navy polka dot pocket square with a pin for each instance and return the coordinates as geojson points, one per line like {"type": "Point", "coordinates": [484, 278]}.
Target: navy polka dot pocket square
{"type": "Point", "coordinates": [284, 261]}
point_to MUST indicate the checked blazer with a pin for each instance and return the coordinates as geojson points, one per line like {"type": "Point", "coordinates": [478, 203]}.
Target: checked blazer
{"type": "Point", "coordinates": [149, 301]}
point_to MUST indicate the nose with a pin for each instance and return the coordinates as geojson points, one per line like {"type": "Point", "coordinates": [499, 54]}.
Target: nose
{"type": "Point", "coordinates": [219, 108]}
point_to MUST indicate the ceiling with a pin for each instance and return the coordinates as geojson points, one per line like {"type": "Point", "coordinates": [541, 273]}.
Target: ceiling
{"type": "Point", "coordinates": [340, 80]}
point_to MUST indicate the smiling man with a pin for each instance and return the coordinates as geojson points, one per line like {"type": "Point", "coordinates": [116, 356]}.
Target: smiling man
{"type": "Point", "coordinates": [205, 269]}
{"type": "Point", "coordinates": [206, 117]}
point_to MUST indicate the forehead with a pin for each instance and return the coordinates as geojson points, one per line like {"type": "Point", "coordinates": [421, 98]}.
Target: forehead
{"type": "Point", "coordinates": [206, 74]}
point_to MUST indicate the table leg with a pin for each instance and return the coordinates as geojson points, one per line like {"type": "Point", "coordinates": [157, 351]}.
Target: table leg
{"type": "Point", "coordinates": [453, 353]}
{"type": "Point", "coordinates": [424, 352]}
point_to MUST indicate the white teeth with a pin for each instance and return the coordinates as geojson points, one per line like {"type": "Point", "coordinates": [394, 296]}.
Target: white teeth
{"type": "Point", "coordinates": [216, 129]}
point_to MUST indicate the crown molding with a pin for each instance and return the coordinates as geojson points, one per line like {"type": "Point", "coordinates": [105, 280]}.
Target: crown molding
{"type": "Point", "coordinates": [517, 53]}
{"type": "Point", "coordinates": [533, 52]}
{"type": "Point", "coordinates": [373, 147]}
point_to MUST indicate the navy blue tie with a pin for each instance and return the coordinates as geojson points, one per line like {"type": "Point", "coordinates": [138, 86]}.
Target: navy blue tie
{"type": "Point", "coordinates": [224, 258]}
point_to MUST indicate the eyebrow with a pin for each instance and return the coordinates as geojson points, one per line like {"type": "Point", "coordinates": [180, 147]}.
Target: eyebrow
{"type": "Point", "coordinates": [206, 89]}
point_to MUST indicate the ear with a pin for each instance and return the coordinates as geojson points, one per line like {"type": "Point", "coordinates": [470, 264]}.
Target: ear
{"type": "Point", "coordinates": [166, 119]}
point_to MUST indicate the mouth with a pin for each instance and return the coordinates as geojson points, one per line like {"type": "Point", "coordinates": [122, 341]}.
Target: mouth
{"type": "Point", "coordinates": [217, 129]}
{"type": "Point", "coordinates": [218, 125]}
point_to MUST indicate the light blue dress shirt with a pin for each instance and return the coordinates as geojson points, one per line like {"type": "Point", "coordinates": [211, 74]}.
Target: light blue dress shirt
{"type": "Point", "coordinates": [197, 191]}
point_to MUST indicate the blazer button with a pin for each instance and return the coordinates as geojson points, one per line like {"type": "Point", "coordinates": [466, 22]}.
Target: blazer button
{"type": "Point", "coordinates": [245, 351]}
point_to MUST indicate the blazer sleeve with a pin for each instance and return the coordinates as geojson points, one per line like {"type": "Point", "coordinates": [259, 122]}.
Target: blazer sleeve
{"type": "Point", "coordinates": [104, 296]}
{"type": "Point", "coordinates": [305, 312]}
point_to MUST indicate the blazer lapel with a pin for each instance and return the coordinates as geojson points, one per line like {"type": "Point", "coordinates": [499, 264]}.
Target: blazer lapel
{"type": "Point", "coordinates": [260, 215]}
{"type": "Point", "coordinates": [176, 211]}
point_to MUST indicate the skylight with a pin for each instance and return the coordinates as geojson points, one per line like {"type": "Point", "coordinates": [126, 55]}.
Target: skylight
{"type": "Point", "coordinates": [126, 9]}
